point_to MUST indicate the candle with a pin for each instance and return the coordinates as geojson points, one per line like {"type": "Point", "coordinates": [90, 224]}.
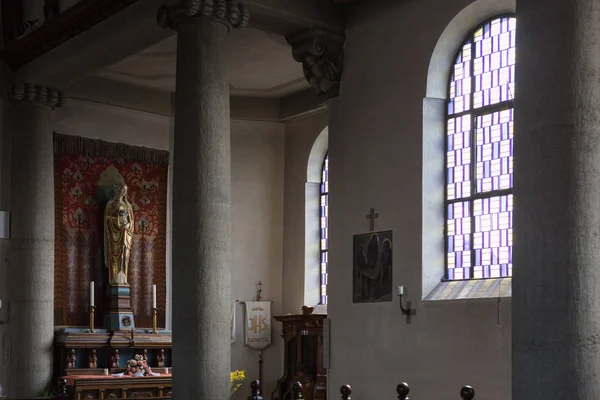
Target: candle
{"type": "Point", "coordinates": [400, 290]}
{"type": "Point", "coordinates": [92, 293]}
{"type": "Point", "coordinates": [153, 296]}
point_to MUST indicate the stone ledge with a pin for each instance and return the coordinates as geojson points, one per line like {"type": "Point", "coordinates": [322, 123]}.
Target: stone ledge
{"type": "Point", "coordinates": [471, 289]}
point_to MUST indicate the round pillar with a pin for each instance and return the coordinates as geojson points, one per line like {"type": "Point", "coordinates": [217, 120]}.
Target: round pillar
{"type": "Point", "coordinates": [31, 259]}
{"type": "Point", "coordinates": [556, 284]}
{"type": "Point", "coordinates": [201, 272]}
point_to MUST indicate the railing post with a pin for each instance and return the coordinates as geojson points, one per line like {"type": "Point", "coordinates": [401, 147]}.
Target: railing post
{"type": "Point", "coordinates": [61, 389]}
{"type": "Point", "coordinates": [297, 391]}
{"type": "Point", "coordinates": [467, 393]}
{"type": "Point", "coordinates": [346, 390]}
{"type": "Point", "coordinates": [402, 389]}
{"type": "Point", "coordinates": [255, 391]}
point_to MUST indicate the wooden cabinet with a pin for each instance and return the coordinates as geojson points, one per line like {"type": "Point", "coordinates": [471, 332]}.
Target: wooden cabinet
{"type": "Point", "coordinates": [303, 357]}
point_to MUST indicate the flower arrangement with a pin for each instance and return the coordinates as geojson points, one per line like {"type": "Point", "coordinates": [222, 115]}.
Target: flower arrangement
{"type": "Point", "coordinates": [235, 378]}
{"type": "Point", "coordinates": [137, 366]}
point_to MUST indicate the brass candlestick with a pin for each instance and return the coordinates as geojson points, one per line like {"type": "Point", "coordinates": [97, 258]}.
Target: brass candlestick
{"type": "Point", "coordinates": [92, 312]}
{"type": "Point", "coordinates": [154, 313]}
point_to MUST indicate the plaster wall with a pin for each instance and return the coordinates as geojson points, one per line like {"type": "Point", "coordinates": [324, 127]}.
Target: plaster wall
{"type": "Point", "coordinates": [257, 198]}
{"type": "Point", "coordinates": [5, 172]}
{"type": "Point", "coordinates": [376, 140]}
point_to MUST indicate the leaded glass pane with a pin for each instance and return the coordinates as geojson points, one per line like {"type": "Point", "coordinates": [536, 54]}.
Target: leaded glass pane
{"type": "Point", "coordinates": [492, 237]}
{"type": "Point", "coordinates": [324, 227]}
{"type": "Point", "coordinates": [458, 158]}
{"type": "Point", "coordinates": [494, 62]}
{"type": "Point", "coordinates": [494, 141]}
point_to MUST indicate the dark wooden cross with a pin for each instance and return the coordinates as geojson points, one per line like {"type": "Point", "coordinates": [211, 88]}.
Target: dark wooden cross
{"type": "Point", "coordinates": [371, 217]}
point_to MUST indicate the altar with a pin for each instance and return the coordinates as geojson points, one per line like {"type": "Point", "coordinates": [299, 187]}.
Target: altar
{"type": "Point", "coordinates": [110, 271]}
{"type": "Point", "coordinates": [91, 363]}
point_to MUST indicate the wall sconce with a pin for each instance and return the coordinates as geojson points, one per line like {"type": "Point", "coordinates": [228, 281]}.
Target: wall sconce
{"type": "Point", "coordinates": [406, 310]}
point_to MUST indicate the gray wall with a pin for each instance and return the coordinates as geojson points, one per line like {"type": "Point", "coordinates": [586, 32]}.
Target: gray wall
{"type": "Point", "coordinates": [5, 161]}
{"type": "Point", "coordinates": [377, 141]}
{"type": "Point", "coordinates": [257, 193]}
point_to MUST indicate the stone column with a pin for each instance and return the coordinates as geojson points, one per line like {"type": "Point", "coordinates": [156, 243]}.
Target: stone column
{"type": "Point", "coordinates": [31, 265]}
{"type": "Point", "coordinates": [556, 284]}
{"type": "Point", "coordinates": [201, 196]}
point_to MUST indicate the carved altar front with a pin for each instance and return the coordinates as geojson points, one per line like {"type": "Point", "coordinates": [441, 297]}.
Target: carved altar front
{"type": "Point", "coordinates": [303, 357]}
{"type": "Point", "coordinates": [87, 361]}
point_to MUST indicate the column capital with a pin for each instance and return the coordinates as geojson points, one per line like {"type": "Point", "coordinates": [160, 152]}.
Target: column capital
{"type": "Point", "coordinates": [42, 95]}
{"type": "Point", "coordinates": [231, 13]}
{"type": "Point", "coordinates": [321, 53]}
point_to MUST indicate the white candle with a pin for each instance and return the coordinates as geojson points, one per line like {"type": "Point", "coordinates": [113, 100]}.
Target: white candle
{"type": "Point", "coordinates": [400, 290]}
{"type": "Point", "coordinates": [153, 296]}
{"type": "Point", "coordinates": [92, 294]}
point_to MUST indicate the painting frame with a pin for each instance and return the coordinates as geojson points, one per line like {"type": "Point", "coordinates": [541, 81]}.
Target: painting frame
{"type": "Point", "coordinates": [372, 267]}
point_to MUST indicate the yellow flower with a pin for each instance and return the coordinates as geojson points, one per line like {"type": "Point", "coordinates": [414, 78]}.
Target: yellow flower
{"type": "Point", "coordinates": [235, 377]}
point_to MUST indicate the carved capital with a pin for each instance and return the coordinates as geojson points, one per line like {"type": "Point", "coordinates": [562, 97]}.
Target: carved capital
{"type": "Point", "coordinates": [231, 13]}
{"type": "Point", "coordinates": [321, 54]}
{"type": "Point", "coordinates": [43, 95]}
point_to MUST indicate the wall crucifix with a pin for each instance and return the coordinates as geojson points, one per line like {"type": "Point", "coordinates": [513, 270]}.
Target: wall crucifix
{"type": "Point", "coordinates": [371, 217]}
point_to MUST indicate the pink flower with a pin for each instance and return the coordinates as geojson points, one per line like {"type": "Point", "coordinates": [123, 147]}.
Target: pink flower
{"type": "Point", "coordinates": [139, 363]}
{"type": "Point", "coordinates": [134, 369]}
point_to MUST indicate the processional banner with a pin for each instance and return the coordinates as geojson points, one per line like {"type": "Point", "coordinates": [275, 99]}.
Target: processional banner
{"type": "Point", "coordinates": [86, 174]}
{"type": "Point", "coordinates": [258, 324]}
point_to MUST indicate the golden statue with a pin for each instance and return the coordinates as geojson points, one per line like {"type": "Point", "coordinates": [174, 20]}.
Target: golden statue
{"type": "Point", "coordinates": [118, 232]}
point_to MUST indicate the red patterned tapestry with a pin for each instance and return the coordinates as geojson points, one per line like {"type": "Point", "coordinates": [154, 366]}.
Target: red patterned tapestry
{"type": "Point", "coordinates": [86, 173]}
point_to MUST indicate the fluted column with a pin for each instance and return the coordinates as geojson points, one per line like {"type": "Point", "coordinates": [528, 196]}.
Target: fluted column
{"type": "Point", "coordinates": [556, 284]}
{"type": "Point", "coordinates": [31, 265]}
{"type": "Point", "coordinates": [201, 197]}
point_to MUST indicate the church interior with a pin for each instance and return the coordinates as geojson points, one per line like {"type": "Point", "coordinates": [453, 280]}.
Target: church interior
{"type": "Point", "coordinates": [165, 220]}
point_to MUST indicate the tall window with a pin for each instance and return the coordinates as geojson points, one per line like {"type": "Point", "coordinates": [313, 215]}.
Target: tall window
{"type": "Point", "coordinates": [479, 154]}
{"type": "Point", "coordinates": [324, 214]}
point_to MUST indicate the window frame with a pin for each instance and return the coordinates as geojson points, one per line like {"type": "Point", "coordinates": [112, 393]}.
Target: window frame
{"type": "Point", "coordinates": [475, 112]}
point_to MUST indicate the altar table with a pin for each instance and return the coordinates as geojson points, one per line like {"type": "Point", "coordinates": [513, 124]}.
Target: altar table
{"type": "Point", "coordinates": [88, 387]}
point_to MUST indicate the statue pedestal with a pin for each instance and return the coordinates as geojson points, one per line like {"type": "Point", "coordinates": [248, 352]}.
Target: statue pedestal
{"type": "Point", "coordinates": [119, 316]}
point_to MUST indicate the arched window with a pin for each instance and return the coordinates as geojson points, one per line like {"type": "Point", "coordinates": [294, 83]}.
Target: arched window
{"type": "Point", "coordinates": [324, 217]}
{"type": "Point", "coordinates": [479, 154]}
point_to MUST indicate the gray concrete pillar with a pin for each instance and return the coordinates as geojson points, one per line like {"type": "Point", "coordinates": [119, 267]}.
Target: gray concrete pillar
{"type": "Point", "coordinates": [31, 262]}
{"type": "Point", "coordinates": [201, 270]}
{"type": "Point", "coordinates": [556, 285]}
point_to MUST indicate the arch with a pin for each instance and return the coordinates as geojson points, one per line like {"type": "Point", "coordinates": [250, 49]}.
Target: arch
{"type": "Point", "coordinates": [317, 155]}
{"type": "Point", "coordinates": [312, 255]}
{"type": "Point", "coordinates": [434, 132]}
{"type": "Point", "coordinates": [444, 53]}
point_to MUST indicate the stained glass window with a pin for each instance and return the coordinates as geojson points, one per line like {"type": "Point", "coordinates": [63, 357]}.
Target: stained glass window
{"type": "Point", "coordinates": [324, 225]}
{"type": "Point", "coordinates": [479, 154]}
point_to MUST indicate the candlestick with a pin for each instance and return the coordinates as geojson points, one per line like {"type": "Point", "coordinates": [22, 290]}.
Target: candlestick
{"type": "Point", "coordinates": [92, 294]}
{"type": "Point", "coordinates": [92, 313]}
{"type": "Point", "coordinates": [153, 296]}
{"type": "Point", "coordinates": [154, 312]}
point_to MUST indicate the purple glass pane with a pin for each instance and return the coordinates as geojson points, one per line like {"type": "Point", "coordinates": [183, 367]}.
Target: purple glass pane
{"type": "Point", "coordinates": [494, 61]}
{"type": "Point", "coordinates": [460, 85]}
{"type": "Point", "coordinates": [492, 237]}
{"type": "Point", "coordinates": [458, 240]}
{"type": "Point", "coordinates": [324, 227]}
{"type": "Point", "coordinates": [494, 146]}
{"type": "Point", "coordinates": [458, 158]}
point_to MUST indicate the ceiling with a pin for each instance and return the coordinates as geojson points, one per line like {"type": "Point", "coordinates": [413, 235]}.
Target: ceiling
{"type": "Point", "coordinates": [259, 65]}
